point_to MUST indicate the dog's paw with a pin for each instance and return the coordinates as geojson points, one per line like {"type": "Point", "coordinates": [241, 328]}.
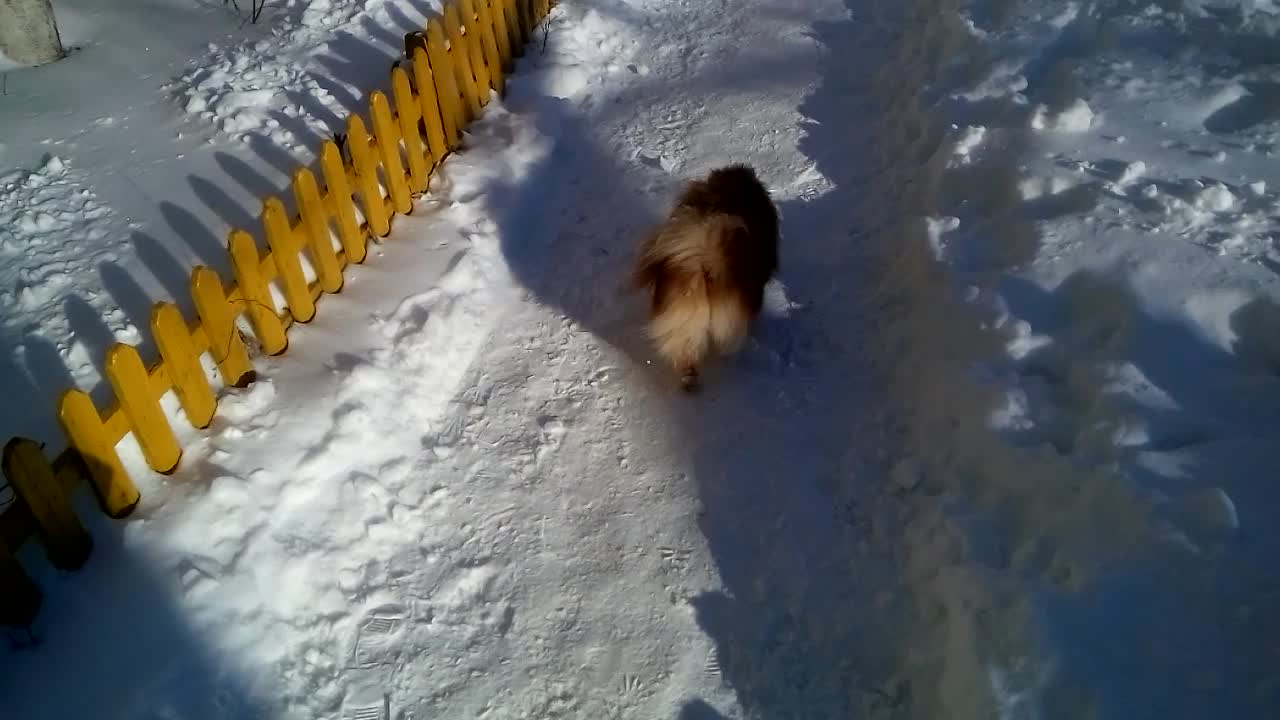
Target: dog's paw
{"type": "Point", "coordinates": [689, 381]}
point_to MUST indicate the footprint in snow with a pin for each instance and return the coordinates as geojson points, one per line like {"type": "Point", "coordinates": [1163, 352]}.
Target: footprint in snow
{"type": "Point", "coordinates": [658, 161]}
{"type": "Point", "coordinates": [368, 696]}
{"type": "Point", "coordinates": [367, 700]}
{"type": "Point", "coordinates": [379, 629]}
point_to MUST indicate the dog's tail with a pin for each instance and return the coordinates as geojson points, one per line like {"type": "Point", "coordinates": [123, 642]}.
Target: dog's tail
{"type": "Point", "coordinates": [696, 307]}
{"type": "Point", "coordinates": [689, 247]}
{"type": "Point", "coordinates": [705, 246]}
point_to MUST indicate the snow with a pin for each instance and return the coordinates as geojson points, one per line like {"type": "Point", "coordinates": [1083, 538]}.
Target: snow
{"type": "Point", "coordinates": [1076, 118]}
{"type": "Point", "coordinates": [146, 188]}
{"type": "Point", "coordinates": [1001, 445]}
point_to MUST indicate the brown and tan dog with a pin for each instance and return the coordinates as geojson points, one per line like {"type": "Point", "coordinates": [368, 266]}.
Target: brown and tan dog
{"type": "Point", "coordinates": [706, 266]}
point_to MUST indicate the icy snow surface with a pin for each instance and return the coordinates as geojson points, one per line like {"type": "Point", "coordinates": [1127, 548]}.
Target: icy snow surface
{"type": "Point", "coordinates": [1001, 446]}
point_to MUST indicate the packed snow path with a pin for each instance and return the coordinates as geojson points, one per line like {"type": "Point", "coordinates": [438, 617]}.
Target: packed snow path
{"type": "Point", "coordinates": [489, 504]}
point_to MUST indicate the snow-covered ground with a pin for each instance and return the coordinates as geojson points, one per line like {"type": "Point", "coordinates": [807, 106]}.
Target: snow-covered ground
{"type": "Point", "coordinates": [126, 163]}
{"type": "Point", "coordinates": [1000, 449]}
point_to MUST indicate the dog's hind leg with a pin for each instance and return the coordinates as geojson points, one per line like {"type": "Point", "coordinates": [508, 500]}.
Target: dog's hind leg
{"type": "Point", "coordinates": [689, 379]}
{"type": "Point", "coordinates": [682, 339]}
{"type": "Point", "coordinates": [680, 326]}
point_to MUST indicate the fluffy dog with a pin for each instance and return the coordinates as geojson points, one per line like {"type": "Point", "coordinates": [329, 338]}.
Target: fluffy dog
{"type": "Point", "coordinates": [706, 266]}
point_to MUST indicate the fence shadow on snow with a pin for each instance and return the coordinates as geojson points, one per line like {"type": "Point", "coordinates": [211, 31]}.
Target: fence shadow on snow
{"type": "Point", "coordinates": [307, 240]}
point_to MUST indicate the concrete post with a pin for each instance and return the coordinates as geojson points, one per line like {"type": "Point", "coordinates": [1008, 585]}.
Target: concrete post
{"type": "Point", "coordinates": [28, 32]}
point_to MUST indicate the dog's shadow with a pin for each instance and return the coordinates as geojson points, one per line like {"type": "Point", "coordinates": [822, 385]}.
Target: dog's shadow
{"type": "Point", "coordinates": [570, 231]}
{"type": "Point", "coordinates": [569, 228]}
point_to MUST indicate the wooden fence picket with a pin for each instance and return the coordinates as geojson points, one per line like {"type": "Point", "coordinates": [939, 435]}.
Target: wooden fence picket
{"type": "Point", "coordinates": [430, 106]}
{"type": "Point", "coordinates": [338, 203]}
{"type": "Point", "coordinates": [258, 304]}
{"type": "Point", "coordinates": [477, 12]}
{"type": "Point", "coordinates": [474, 41]}
{"type": "Point", "coordinates": [453, 110]}
{"type": "Point", "coordinates": [387, 137]}
{"type": "Point", "coordinates": [116, 493]}
{"type": "Point", "coordinates": [284, 251]}
{"type": "Point", "coordinates": [65, 541]}
{"type": "Point", "coordinates": [338, 194]}
{"type": "Point", "coordinates": [183, 363]}
{"type": "Point", "coordinates": [460, 56]}
{"type": "Point", "coordinates": [315, 231]}
{"type": "Point", "coordinates": [524, 8]}
{"type": "Point", "coordinates": [366, 171]}
{"type": "Point", "coordinates": [217, 319]}
{"type": "Point", "coordinates": [408, 114]}
{"type": "Point", "coordinates": [511, 11]}
{"type": "Point", "coordinates": [128, 378]}
{"type": "Point", "coordinates": [493, 14]}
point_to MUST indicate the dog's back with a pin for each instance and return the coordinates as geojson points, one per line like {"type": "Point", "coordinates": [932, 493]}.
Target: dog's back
{"type": "Point", "coordinates": [707, 265]}
{"type": "Point", "coordinates": [752, 253]}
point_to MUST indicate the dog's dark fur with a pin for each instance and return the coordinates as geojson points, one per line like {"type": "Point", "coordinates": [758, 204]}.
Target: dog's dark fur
{"type": "Point", "coordinates": [706, 266]}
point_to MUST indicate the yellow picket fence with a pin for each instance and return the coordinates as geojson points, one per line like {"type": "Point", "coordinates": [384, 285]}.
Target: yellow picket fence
{"type": "Point", "coordinates": [442, 84]}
